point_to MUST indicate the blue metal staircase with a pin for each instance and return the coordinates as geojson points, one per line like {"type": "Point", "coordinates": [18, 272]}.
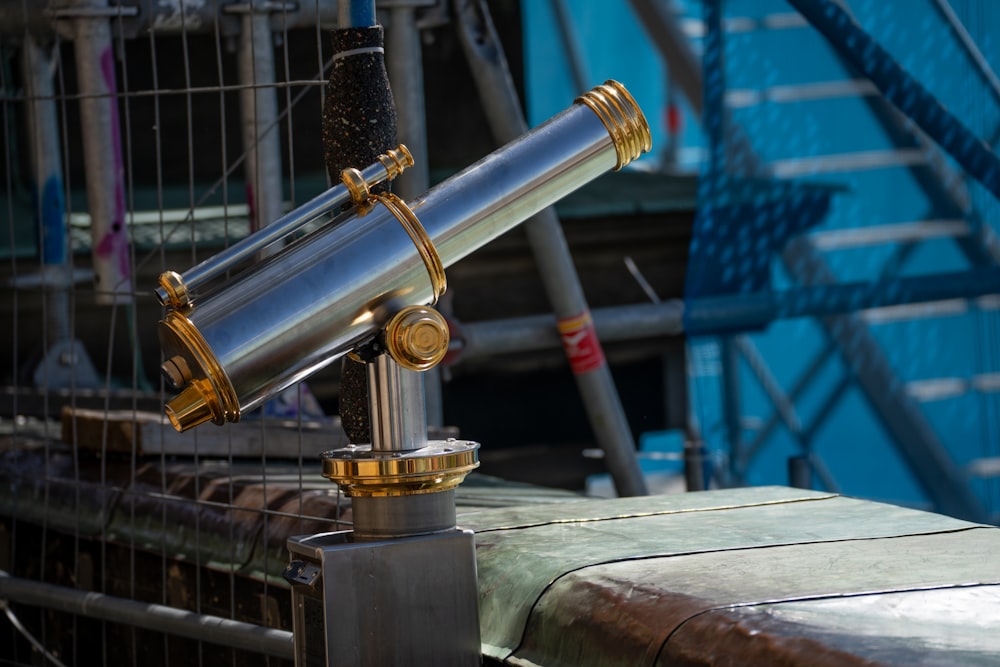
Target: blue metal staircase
{"type": "Point", "coordinates": [838, 126]}
{"type": "Point", "coordinates": [878, 104]}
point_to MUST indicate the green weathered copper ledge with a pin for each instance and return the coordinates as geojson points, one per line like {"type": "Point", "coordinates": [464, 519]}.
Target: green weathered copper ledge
{"type": "Point", "coordinates": [615, 582]}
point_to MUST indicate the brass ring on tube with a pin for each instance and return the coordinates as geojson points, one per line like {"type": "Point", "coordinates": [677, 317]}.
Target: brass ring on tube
{"type": "Point", "coordinates": [208, 398]}
{"type": "Point", "coordinates": [423, 243]}
{"type": "Point", "coordinates": [623, 118]}
{"type": "Point", "coordinates": [356, 184]}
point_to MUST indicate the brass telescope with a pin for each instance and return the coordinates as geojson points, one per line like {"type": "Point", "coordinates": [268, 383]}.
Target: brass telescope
{"type": "Point", "coordinates": [280, 320]}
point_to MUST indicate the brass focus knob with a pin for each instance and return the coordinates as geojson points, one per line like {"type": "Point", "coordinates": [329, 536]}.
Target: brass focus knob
{"type": "Point", "coordinates": [417, 338]}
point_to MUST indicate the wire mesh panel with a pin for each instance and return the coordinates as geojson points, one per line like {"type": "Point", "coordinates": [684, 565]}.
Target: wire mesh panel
{"type": "Point", "coordinates": [138, 140]}
{"type": "Point", "coordinates": [142, 138]}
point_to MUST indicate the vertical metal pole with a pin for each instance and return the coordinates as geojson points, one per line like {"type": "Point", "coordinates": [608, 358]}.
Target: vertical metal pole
{"type": "Point", "coordinates": [593, 377]}
{"type": "Point", "coordinates": [800, 472]}
{"type": "Point", "coordinates": [259, 116]}
{"type": "Point", "coordinates": [695, 459]}
{"type": "Point", "coordinates": [404, 64]}
{"type": "Point", "coordinates": [47, 179]}
{"type": "Point", "coordinates": [102, 153]}
{"type": "Point", "coordinates": [359, 123]}
{"type": "Point", "coordinates": [395, 406]}
{"type": "Point", "coordinates": [66, 363]}
{"type": "Point", "coordinates": [731, 407]}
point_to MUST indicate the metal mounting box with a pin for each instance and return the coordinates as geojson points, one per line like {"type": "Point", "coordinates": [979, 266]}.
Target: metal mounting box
{"type": "Point", "coordinates": [400, 601]}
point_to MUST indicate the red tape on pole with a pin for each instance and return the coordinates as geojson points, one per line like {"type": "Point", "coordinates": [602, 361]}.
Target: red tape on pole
{"type": "Point", "coordinates": [579, 339]}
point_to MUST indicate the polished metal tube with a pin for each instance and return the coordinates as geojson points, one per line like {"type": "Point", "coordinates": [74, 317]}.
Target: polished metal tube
{"type": "Point", "coordinates": [510, 185]}
{"type": "Point", "coordinates": [245, 249]}
{"type": "Point", "coordinates": [180, 290]}
{"type": "Point", "coordinates": [294, 313]}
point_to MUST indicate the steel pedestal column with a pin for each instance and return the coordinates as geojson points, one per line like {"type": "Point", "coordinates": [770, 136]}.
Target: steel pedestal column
{"type": "Point", "coordinates": [401, 588]}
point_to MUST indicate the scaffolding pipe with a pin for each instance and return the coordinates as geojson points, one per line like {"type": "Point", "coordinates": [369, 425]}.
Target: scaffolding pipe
{"type": "Point", "coordinates": [555, 264]}
{"type": "Point", "coordinates": [47, 180]}
{"type": "Point", "coordinates": [149, 616]}
{"type": "Point", "coordinates": [478, 340]}
{"type": "Point", "coordinates": [102, 155]}
{"type": "Point", "coordinates": [259, 116]}
{"type": "Point", "coordinates": [765, 431]}
{"type": "Point", "coordinates": [66, 363]}
{"type": "Point", "coordinates": [404, 58]}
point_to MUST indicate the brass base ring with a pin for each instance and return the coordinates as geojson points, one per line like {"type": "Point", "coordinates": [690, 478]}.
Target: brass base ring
{"type": "Point", "coordinates": [440, 466]}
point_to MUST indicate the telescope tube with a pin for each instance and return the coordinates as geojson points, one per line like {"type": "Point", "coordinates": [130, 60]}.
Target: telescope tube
{"type": "Point", "coordinates": [295, 312]}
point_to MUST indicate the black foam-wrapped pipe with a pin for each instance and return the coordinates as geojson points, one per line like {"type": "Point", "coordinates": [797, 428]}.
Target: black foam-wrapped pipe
{"type": "Point", "coordinates": [359, 124]}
